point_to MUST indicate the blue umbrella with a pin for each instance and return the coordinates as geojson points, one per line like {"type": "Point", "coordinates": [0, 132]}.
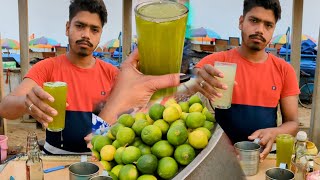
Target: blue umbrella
{"type": "Point", "coordinates": [204, 32]}
{"type": "Point", "coordinates": [43, 42]}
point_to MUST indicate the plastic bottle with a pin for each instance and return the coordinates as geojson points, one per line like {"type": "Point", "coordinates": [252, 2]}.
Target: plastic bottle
{"type": "Point", "coordinates": [34, 164]}
{"type": "Point", "coordinates": [300, 159]}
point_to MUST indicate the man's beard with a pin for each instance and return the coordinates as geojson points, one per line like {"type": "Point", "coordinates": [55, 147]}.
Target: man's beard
{"type": "Point", "coordinates": [83, 52]}
{"type": "Point", "coordinates": [254, 46]}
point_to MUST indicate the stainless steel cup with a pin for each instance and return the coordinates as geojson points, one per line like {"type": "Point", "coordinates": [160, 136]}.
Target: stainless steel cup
{"type": "Point", "coordinates": [101, 178]}
{"type": "Point", "coordinates": [278, 173]}
{"type": "Point", "coordinates": [83, 171]}
{"type": "Point", "coordinates": [249, 156]}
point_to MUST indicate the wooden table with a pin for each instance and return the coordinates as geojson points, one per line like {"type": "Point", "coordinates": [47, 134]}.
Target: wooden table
{"type": "Point", "coordinates": [269, 162]}
{"type": "Point", "coordinates": [17, 168]}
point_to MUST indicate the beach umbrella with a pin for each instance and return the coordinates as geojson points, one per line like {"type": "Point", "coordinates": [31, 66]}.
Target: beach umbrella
{"type": "Point", "coordinates": [43, 42]}
{"type": "Point", "coordinates": [282, 39]}
{"type": "Point", "coordinates": [115, 43]}
{"type": "Point", "coordinates": [9, 44]}
{"type": "Point", "coordinates": [203, 35]}
{"type": "Point", "coordinates": [203, 39]}
{"type": "Point", "coordinates": [204, 32]}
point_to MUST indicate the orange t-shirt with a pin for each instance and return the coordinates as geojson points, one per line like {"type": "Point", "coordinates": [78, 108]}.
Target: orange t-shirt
{"type": "Point", "coordinates": [257, 94]}
{"type": "Point", "coordinates": [88, 90]}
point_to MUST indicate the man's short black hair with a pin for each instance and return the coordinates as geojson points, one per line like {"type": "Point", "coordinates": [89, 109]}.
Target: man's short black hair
{"type": "Point", "coordinates": [93, 6]}
{"type": "Point", "coordinates": [273, 5]}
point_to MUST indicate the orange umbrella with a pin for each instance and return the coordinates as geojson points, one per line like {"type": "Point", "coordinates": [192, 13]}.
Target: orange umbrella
{"type": "Point", "coordinates": [203, 39]}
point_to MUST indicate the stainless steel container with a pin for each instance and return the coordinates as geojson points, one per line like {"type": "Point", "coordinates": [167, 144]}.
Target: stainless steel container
{"type": "Point", "coordinates": [249, 156]}
{"type": "Point", "coordinates": [277, 173]}
{"type": "Point", "coordinates": [83, 171]}
{"type": "Point", "coordinates": [217, 161]}
{"type": "Point", "coordinates": [101, 178]}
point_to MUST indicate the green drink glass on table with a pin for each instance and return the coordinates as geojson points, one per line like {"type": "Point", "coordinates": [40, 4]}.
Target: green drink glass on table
{"type": "Point", "coordinates": [58, 90]}
{"type": "Point", "coordinates": [285, 143]}
{"type": "Point", "coordinates": [161, 30]}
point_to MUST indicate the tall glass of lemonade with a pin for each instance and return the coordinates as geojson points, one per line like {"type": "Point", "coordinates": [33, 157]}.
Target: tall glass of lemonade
{"type": "Point", "coordinates": [285, 143]}
{"type": "Point", "coordinates": [161, 30]}
{"type": "Point", "coordinates": [58, 90]}
{"type": "Point", "coordinates": [229, 72]}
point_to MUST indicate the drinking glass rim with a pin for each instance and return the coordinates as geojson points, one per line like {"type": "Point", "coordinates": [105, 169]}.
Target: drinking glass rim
{"type": "Point", "coordinates": [246, 150]}
{"type": "Point", "coordinates": [225, 63]}
{"type": "Point", "coordinates": [284, 136]}
{"type": "Point", "coordinates": [55, 84]}
{"type": "Point", "coordinates": [153, 19]}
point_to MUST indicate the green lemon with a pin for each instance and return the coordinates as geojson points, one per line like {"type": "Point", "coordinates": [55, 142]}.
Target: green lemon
{"type": "Point", "coordinates": [208, 114]}
{"type": "Point", "coordinates": [145, 149]}
{"type": "Point", "coordinates": [151, 134]}
{"type": "Point", "coordinates": [184, 116]}
{"type": "Point", "coordinates": [114, 129]}
{"type": "Point", "coordinates": [115, 170]}
{"type": "Point", "coordinates": [170, 102]}
{"type": "Point", "coordinates": [107, 152]}
{"type": "Point", "coordinates": [195, 120]}
{"type": "Point", "coordinates": [171, 114]}
{"type": "Point", "coordinates": [139, 125]}
{"type": "Point", "coordinates": [150, 121]}
{"type": "Point", "coordinates": [126, 119]}
{"type": "Point", "coordinates": [167, 168]}
{"type": "Point", "coordinates": [155, 111]}
{"type": "Point", "coordinates": [184, 154]}
{"type": "Point", "coordinates": [163, 125]}
{"type": "Point", "coordinates": [106, 165]}
{"type": "Point", "coordinates": [140, 115]}
{"type": "Point", "coordinates": [130, 154]}
{"type": "Point", "coordinates": [209, 125]}
{"type": "Point", "coordinates": [128, 172]}
{"type": "Point", "coordinates": [147, 164]}
{"type": "Point", "coordinates": [96, 154]}
{"type": "Point", "coordinates": [162, 149]}
{"type": "Point", "coordinates": [177, 135]}
{"type": "Point", "coordinates": [125, 136]}
{"type": "Point", "coordinates": [184, 106]}
{"type": "Point", "coordinates": [206, 131]}
{"type": "Point", "coordinates": [118, 155]}
{"type": "Point", "coordinates": [116, 144]}
{"type": "Point", "coordinates": [100, 142]}
{"type": "Point", "coordinates": [196, 107]}
{"type": "Point", "coordinates": [198, 139]}
{"type": "Point", "coordinates": [194, 99]}
{"type": "Point", "coordinates": [147, 177]}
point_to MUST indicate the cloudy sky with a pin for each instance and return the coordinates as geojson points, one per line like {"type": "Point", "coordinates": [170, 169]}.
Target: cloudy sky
{"type": "Point", "coordinates": [48, 18]}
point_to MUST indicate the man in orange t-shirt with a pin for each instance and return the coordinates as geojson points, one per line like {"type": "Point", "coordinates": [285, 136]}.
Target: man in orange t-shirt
{"type": "Point", "coordinates": [263, 81]}
{"type": "Point", "coordinates": [91, 83]}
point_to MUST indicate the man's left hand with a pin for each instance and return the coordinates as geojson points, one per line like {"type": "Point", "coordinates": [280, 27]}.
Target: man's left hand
{"type": "Point", "coordinates": [267, 138]}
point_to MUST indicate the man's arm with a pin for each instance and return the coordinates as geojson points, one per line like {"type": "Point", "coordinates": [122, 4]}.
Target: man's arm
{"type": "Point", "coordinates": [13, 105]}
{"type": "Point", "coordinates": [28, 92]}
{"type": "Point", "coordinates": [289, 111]}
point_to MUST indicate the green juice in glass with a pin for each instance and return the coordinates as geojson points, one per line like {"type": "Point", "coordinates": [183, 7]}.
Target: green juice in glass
{"type": "Point", "coordinates": [161, 30]}
{"type": "Point", "coordinates": [58, 90]}
{"type": "Point", "coordinates": [285, 144]}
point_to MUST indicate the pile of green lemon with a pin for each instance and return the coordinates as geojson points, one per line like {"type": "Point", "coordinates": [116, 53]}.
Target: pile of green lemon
{"type": "Point", "coordinates": [155, 145]}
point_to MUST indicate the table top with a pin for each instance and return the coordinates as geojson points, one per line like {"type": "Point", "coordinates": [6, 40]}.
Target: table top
{"type": "Point", "coordinates": [269, 162]}
{"type": "Point", "coordinates": [17, 169]}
